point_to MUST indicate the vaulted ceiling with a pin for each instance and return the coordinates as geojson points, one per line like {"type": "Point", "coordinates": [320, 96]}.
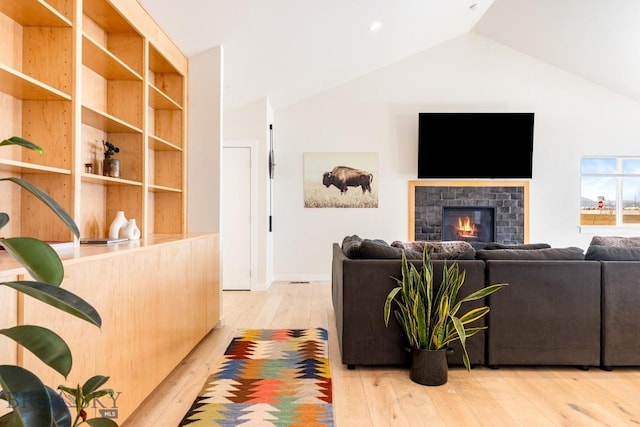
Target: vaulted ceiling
{"type": "Point", "coordinates": [288, 50]}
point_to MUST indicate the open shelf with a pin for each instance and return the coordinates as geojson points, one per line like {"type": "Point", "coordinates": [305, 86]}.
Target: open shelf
{"type": "Point", "coordinates": [159, 144]}
{"type": "Point", "coordinates": [163, 189]}
{"type": "Point", "coordinates": [33, 13]}
{"type": "Point", "coordinates": [107, 180]}
{"type": "Point", "coordinates": [161, 101]}
{"type": "Point", "coordinates": [7, 165]}
{"type": "Point", "coordinates": [104, 62]}
{"type": "Point", "coordinates": [106, 122]}
{"type": "Point", "coordinates": [21, 86]}
{"type": "Point", "coordinates": [106, 16]}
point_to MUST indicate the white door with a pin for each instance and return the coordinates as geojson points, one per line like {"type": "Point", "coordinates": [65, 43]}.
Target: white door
{"type": "Point", "coordinates": [236, 218]}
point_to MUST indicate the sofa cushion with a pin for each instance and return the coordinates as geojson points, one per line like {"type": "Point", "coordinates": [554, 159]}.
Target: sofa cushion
{"type": "Point", "coordinates": [613, 253]}
{"type": "Point", "coordinates": [494, 245]}
{"type": "Point", "coordinates": [439, 249]}
{"type": "Point", "coordinates": [570, 253]}
{"type": "Point", "coordinates": [615, 241]}
{"type": "Point", "coordinates": [351, 245]}
{"type": "Point", "coordinates": [376, 249]}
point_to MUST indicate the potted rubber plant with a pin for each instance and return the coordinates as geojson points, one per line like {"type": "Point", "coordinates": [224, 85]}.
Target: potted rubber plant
{"type": "Point", "coordinates": [33, 403]}
{"type": "Point", "coordinates": [431, 317]}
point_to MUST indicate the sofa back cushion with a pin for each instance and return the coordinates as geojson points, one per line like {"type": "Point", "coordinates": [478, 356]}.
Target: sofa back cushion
{"type": "Point", "coordinates": [613, 253]}
{"type": "Point", "coordinates": [615, 241]}
{"type": "Point", "coordinates": [494, 245]}
{"type": "Point", "coordinates": [570, 253]}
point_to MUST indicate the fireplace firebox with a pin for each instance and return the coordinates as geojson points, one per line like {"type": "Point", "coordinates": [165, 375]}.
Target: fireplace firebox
{"type": "Point", "coordinates": [473, 224]}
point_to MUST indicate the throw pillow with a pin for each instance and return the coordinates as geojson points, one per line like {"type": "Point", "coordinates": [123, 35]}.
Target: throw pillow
{"type": "Point", "coordinates": [376, 249]}
{"type": "Point", "coordinates": [454, 249]}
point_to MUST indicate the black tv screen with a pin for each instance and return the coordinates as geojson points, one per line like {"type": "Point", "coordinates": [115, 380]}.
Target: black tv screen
{"type": "Point", "coordinates": [475, 145]}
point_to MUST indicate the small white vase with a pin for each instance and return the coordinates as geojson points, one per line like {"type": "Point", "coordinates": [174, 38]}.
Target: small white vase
{"type": "Point", "coordinates": [118, 222]}
{"type": "Point", "coordinates": [131, 230]}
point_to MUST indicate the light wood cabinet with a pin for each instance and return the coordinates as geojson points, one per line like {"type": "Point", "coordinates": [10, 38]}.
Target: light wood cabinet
{"type": "Point", "coordinates": [75, 73]}
{"type": "Point", "coordinates": [150, 322]}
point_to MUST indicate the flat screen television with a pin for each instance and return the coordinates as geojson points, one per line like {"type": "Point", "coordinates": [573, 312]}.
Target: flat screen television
{"type": "Point", "coordinates": [475, 145]}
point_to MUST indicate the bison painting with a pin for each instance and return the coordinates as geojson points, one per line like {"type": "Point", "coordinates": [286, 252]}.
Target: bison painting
{"type": "Point", "coordinates": [344, 176]}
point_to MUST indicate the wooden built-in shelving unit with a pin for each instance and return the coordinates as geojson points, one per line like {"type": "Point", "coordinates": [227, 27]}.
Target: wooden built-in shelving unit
{"type": "Point", "coordinates": [70, 79]}
{"type": "Point", "coordinates": [75, 73]}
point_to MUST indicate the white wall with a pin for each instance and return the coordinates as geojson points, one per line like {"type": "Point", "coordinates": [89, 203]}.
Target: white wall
{"type": "Point", "coordinates": [378, 112]}
{"type": "Point", "coordinates": [205, 137]}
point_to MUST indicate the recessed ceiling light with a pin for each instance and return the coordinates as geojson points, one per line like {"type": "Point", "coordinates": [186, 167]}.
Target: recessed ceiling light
{"type": "Point", "coordinates": [375, 26]}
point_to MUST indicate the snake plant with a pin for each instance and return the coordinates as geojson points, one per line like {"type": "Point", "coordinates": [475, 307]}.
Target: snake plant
{"type": "Point", "coordinates": [430, 318]}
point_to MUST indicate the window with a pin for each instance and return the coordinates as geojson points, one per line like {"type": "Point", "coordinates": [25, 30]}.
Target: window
{"type": "Point", "coordinates": [610, 190]}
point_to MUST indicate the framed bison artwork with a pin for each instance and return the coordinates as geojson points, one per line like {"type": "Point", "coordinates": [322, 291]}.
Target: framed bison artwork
{"type": "Point", "coordinates": [340, 180]}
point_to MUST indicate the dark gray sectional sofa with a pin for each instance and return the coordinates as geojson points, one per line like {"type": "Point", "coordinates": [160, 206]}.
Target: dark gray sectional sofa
{"type": "Point", "coordinates": [359, 290]}
{"type": "Point", "coordinates": [562, 306]}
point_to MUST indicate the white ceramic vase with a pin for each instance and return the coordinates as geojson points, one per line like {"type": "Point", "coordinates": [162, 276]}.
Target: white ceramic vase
{"type": "Point", "coordinates": [118, 222]}
{"type": "Point", "coordinates": [131, 230]}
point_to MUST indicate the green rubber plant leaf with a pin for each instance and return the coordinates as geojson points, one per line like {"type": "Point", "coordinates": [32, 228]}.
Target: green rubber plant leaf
{"type": "Point", "coordinates": [59, 409]}
{"type": "Point", "coordinates": [93, 383]}
{"type": "Point", "coordinates": [16, 140]}
{"type": "Point", "coordinates": [27, 396]}
{"type": "Point", "coordinates": [37, 257]}
{"type": "Point", "coordinates": [59, 298]}
{"type": "Point", "coordinates": [98, 394]}
{"type": "Point", "coordinates": [47, 200]}
{"type": "Point", "coordinates": [101, 422]}
{"type": "Point", "coordinates": [44, 344]}
{"type": "Point", "coordinates": [4, 219]}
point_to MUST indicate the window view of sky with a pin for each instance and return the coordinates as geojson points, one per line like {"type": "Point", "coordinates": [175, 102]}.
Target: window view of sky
{"type": "Point", "coordinates": [602, 183]}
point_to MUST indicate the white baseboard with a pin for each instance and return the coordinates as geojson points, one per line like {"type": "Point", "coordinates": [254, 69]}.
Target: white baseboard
{"type": "Point", "coordinates": [303, 278]}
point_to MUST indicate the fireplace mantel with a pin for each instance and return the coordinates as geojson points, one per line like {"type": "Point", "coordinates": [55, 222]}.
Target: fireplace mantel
{"type": "Point", "coordinates": [519, 186]}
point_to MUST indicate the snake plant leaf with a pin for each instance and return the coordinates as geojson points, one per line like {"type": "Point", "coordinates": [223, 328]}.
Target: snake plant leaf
{"type": "Point", "coordinates": [27, 396]}
{"type": "Point", "coordinates": [387, 304]}
{"type": "Point", "coordinates": [45, 344]}
{"type": "Point", "coordinates": [59, 298]}
{"type": "Point", "coordinates": [4, 219]}
{"type": "Point", "coordinates": [16, 140]}
{"type": "Point", "coordinates": [47, 200]}
{"type": "Point", "coordinates": [37, 257]}
{"type": "Point", "coordinates": [473, 315]}
{"type": "Point", "coordinates": [481, 293]}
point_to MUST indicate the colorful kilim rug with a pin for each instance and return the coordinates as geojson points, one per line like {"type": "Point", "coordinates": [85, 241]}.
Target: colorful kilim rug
{"type": "Point", "coordinates": [268, 377]}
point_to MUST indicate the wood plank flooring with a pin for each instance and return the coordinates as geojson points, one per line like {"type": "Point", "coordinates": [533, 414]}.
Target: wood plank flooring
{"type": "Point", "coordinates": [384, 396]}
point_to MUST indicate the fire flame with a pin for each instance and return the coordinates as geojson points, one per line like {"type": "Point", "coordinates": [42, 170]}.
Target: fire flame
{"type": "Point", "coordinates": [466, 228]}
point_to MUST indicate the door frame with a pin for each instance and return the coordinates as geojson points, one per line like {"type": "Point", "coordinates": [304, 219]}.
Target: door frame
{"type": "Point", "coordinates": [253, 201]}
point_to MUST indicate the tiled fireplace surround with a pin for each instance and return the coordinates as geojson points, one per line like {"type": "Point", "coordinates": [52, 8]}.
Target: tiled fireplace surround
{"type": "Point", "coordinates": [510, 199]}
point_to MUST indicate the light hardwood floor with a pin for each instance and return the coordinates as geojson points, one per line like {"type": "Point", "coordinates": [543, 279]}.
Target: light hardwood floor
{"type": "Point", "coordinates": [384, 396]}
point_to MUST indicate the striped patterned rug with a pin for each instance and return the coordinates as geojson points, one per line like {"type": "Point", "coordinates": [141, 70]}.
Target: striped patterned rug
{"type": "Point", "coordinates": [268, 377]}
